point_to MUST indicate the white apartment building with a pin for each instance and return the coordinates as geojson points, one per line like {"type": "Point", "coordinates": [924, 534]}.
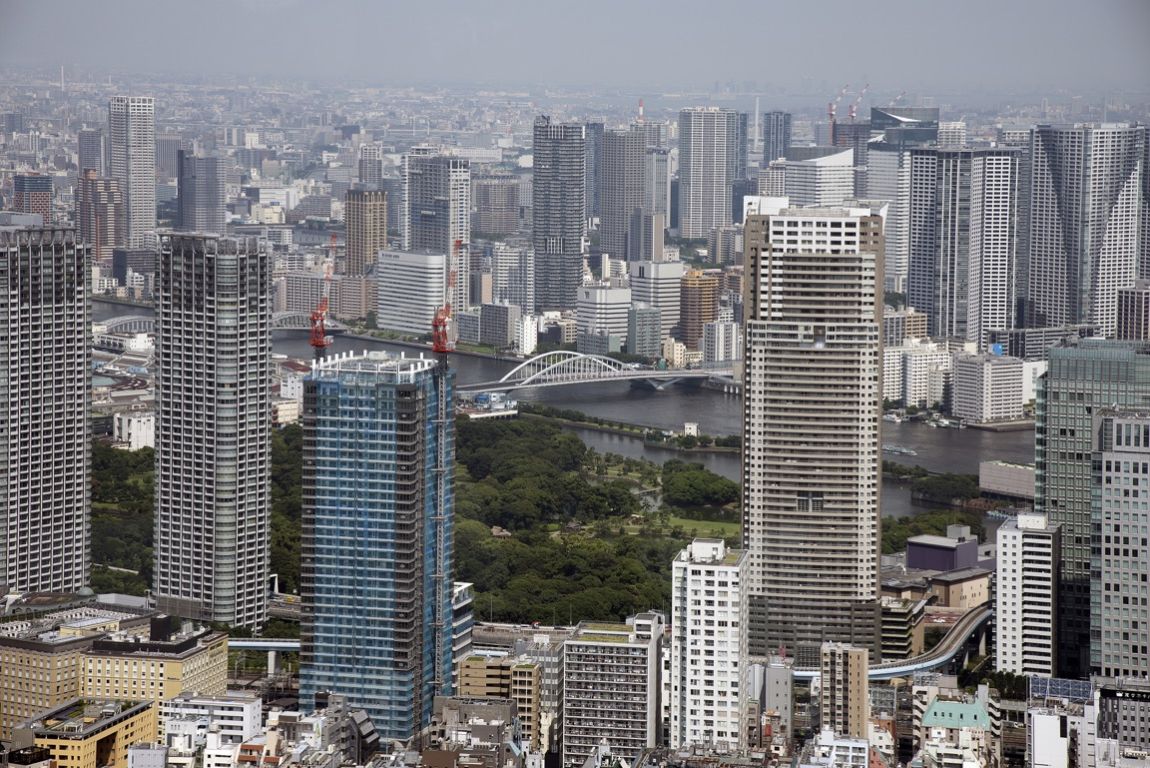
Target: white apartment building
{"type": "Point", "coordinates": [410, 288]}
{"type": "Point", "coordinates": [513, 275]}
{"type": "Point", "coordinates": [603, 309]}
{"type": "Point", "coordinates": [962, 219]}
{"type": "Point", "coordinates": [1026, 593]}
{"type": "Point", "coordinates": [658, 284]}
{"type": "Point", "coordinates": [708, 164]}
{"type": "Point", "coordinates": [237, 716]}
{"type": "Point", "coordinates": [611, 688]}
{"type": "Point", "coordinates": [812, 407]}
{"type": "Point", "coordinates": [951, 133]}
{"type": "Point", "coordinates": [820, 181]}
{"type": "Point", "coordinates": [987, 388]}
{"type": "Point", "coordinates": [136, 429]}
{"type": "Point", "coordinates": [926, 370]}
{"type": "Point", "coordinates": [527, 335]}
{"type": "Point", "coordinates": [708, 645]}
{"type": "Point", "coordinates": [722, 342]}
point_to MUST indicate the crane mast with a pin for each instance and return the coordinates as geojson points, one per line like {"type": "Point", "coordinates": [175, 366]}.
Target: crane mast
{"type": "Point", "coordinates": [441, 583]}
{"type": "Point", "coordinates": [320, 341]}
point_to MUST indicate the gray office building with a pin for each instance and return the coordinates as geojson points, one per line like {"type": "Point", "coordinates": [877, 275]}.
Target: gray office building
{"type": "Point", "coordinates": [92, 154]}
{"type": "Point", "coordinates": [45, 399]}
{"type": "Point", "coordinates": [213, 428]}
{"type": "Point", "coordinates": [1120, 565]}
{"type": "Point", "coordinates": [1083, 377]}
{"type": "Point", "coordinates": [645, 331]}
{"type": "Point", "coordinates": [438, 204]}
{"type": "Point", "coordinates": [559, 226]}
{"type": "Point", "coordinates": [200, 194]}
{"type": "Point", "coordinates": [776, 136]}
{"type": "Point", "coordinates": [594, 134]}
{"type": "Point", "coordinates": [624, 163]}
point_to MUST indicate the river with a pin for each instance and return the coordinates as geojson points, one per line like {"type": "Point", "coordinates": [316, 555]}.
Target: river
{"type": "Point", "coordinates": [938, 450]}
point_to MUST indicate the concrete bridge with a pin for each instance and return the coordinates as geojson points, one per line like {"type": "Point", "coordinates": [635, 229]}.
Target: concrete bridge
{"type": "Point", "coordinates": [965, 639]}
{"type": "Point", "coordinates": [280, 320]}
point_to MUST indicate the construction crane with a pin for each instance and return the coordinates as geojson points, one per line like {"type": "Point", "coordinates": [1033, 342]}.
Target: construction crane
{"type": "Point", "coordinates": [444, 465]}
{"type": "Point", "coordinates": [853, 112]}
{"type": "Point", "coordinates": [319, 338]}
{"type": "Point", "coordinates": [832, 106]}
{"type": "Point", "coordinates": [897, 99]}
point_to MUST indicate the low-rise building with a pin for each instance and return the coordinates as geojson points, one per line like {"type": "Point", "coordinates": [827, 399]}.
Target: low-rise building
{"type": "Point", "coordinates": [965, 588]}
{"type": "Point", "coordinates": [499, 325]}
{"type": "Point", "coordinates": [235, 715]}
{"type": "Point", "coordinates": [957, 549]}
{"type": "Point", "coordinates": [90, 733]}
{"type": "Point", "coordinates": [901, 324]}
{"type": "Point", "coordinates": [158, 667]}
{"type": "Point", "coordinates": [1002, 479]}
{"type": "Point", "coordinates": [49, 648]}
{"type": "Point", "coordinates": [134, 429]}
{"type": "Point", "coordinates": [644, 331]}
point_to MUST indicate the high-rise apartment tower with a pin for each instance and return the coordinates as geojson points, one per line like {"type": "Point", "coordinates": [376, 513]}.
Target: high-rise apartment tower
{"type": "Point", "coordinates": [45, 399]}
{"type": "Point", "coordinates": [132, 162]}
{"type": "Point", "coordinates": [213, 428]}
{"type": "Point", "coordinates": [559, 226]}
{"type": "Point", "coordinates": [812, 404]}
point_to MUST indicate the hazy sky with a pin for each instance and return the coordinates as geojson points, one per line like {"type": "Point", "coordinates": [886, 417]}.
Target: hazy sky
{"type": "Point", "coordinates": [969, 45]}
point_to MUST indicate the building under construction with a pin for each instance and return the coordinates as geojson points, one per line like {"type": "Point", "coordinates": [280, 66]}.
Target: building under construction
{"type": "Point", "coordinates": [376, 589]}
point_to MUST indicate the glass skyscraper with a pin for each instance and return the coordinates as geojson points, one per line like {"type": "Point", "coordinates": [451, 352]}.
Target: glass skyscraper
{"type": "Point", "coordinates": [1083, 378]}
{"type": "Point", "coordinates": [376, 589]}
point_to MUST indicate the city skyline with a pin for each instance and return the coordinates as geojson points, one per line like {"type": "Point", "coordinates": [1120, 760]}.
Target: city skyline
{"type": "Point", "coordinates": [713, 412]}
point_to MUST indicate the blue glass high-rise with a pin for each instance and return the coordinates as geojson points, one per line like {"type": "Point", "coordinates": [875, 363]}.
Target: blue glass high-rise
{"type": "Point", "coordinates": [376, 588]}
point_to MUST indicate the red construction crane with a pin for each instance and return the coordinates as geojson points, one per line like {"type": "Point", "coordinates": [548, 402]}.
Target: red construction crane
{"type": "Point", "coordinates": [440, 336]}
{"type": "Point", "coordinates": [319, 338]}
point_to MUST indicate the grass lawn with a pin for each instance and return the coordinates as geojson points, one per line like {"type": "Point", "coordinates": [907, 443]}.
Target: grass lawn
{"type": "Point", "coordinates": [706, 527]}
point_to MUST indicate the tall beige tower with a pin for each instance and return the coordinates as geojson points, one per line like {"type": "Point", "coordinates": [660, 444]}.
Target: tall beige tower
{"type": "Point", "coordinates": [812, 407]}
{"type": "Point", "coordinates": [844, 695]}
{"type": "Point", "coordinates": [365, 213]}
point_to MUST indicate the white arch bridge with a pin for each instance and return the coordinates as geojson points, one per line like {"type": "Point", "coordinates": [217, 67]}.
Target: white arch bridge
{"type": "Point", "coordinates": [280, 320]}
{"type": "Point", "coordinates": [563, 368]}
